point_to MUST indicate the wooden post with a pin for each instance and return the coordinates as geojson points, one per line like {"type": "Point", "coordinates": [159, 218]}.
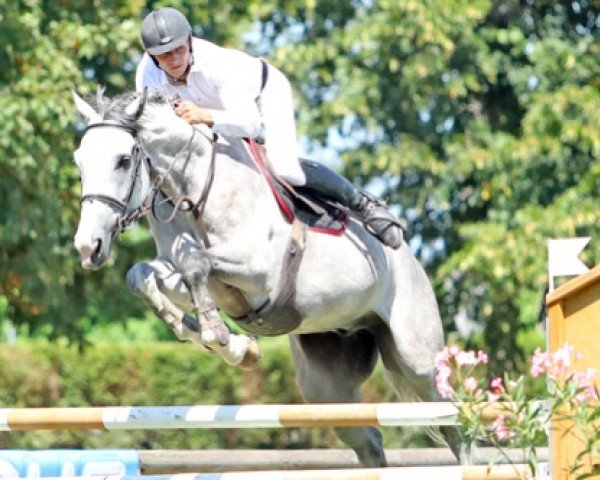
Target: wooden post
{"type": "Point", "coordinates": [574, 317]}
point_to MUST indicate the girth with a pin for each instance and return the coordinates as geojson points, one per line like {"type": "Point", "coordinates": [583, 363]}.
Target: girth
{"type": "Point", "coordinates": [277, 316]}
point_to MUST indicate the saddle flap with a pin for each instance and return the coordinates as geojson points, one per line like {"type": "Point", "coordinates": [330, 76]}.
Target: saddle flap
{"type": "Point", "coordinates": [317, 213]}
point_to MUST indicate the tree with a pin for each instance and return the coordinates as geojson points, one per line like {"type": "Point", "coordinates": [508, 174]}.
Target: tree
{"type": "Point", "coordinates": [480, 119]}
{"type": "Point", "coordinates": [48, 49]}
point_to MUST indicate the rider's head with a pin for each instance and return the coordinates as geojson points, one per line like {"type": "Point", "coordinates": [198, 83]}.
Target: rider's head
{"type": "Point", "coordinates": [167, 37]}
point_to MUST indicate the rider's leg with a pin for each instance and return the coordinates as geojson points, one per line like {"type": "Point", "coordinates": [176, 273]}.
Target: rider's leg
{"type": "Point", "coordinates": [375, 215]}
{"type": "Point", "coordinates": [277, 108]}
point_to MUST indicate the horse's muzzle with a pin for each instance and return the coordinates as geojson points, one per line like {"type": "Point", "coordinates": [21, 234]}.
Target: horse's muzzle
{"type": "Point", "coordinates": [92, 256]}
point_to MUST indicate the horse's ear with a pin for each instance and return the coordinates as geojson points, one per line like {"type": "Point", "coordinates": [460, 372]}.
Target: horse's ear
{"type": "Point", "coordinates": [100, 94]}
{"type": "Point", "coordinates": [85, 109]}
{"type": "Point", "coordinates": [135, 108]}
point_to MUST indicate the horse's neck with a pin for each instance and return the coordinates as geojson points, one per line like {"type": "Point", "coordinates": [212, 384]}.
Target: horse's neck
{"type": "Point", "coordinates": [236, 188]}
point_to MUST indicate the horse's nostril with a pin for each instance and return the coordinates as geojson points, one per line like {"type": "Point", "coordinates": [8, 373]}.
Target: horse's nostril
{"type": "Point", "coordinates": [96, 248]}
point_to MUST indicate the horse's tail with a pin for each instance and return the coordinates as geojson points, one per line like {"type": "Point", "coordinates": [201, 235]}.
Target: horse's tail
{"type": "Point", "coordinates": [406, 393]}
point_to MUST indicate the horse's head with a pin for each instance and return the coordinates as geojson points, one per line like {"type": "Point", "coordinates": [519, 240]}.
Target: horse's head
{"type": "Point", "coordinates": [109, 161]}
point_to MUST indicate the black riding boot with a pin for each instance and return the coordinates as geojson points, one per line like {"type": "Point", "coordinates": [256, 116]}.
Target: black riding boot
{"type": "Point", "coordinates": [374, 214]}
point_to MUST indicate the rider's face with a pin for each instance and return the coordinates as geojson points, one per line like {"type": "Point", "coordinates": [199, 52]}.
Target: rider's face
{"type": "Point", "coordinates": [175, 62]}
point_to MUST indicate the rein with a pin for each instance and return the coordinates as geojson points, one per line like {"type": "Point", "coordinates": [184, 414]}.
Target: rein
{"type": "Point", "coordinates": [183, 203]}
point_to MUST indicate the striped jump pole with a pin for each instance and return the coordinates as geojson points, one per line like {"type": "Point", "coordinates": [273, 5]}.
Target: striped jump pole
{"type": "Point", "coordinates": [228, 416]}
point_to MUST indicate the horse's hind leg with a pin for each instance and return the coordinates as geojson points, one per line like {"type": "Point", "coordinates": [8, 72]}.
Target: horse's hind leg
{"type": "Point", "coordinates": [408, 349]}
{"type": "Point", "coordinates": [330, 368]}
{"type": "Point", "coordinates": [160, 285]}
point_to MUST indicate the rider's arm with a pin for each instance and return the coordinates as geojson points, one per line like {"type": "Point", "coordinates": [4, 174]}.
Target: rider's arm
{"type": "Point", "coordinates": [236, 79]}
{"type": "Point", "coordinates": [236, 121]}
{"type": "Point", "coordinates": [240, 116]}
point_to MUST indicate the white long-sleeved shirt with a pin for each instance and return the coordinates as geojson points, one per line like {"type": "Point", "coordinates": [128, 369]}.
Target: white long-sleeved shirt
{"type": "Point", "coordinates": [225, 81]}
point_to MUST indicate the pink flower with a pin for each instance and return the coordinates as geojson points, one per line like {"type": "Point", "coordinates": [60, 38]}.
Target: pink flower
{"type": "Point", "coordinates": [453, 350]}
{"type": "Point", "coordinates": [482, 357]}
{"type": "Point", "coordinates": [554, 364]}
{"type": "Point", "coordinates": [541, 363]}
{"type": "Point", "coordinates": [585, 382]}
{"type": "Point", "coordinates": [562, 358]}
{"type": "Point", "coordinates": [496, 385]}
{"type": "Point", "coordinates": [443, 387]}
{"type": "Point", "coordinates": [584, 379]}
{"type": "Point", "coordinates": [470, 384]}
{"type": "Point", "coordinates": [442, 383]}
{"type": "Point", "coordinates": [587, 395]}
{"type": "Point", "coordinates": [441, 359]}
{"type": "Point", "coordinates": [501, 431]}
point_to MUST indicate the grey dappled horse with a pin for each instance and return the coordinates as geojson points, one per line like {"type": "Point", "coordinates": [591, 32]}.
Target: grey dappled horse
{"type": "Point", "coordinates": [354, 299]}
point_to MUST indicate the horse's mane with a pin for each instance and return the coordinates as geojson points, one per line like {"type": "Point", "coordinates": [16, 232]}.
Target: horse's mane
{"type": "Point", "coordinates": [114, 108]}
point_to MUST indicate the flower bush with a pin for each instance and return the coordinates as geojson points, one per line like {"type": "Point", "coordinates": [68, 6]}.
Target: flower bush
{"type": "Point", "coordinates": [498, 410]}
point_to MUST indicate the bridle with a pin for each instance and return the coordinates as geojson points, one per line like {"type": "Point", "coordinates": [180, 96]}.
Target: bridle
{"type": "Point", "coordinates": [121, 205]}
{"type": "Point", "coordinates": [183, 203]}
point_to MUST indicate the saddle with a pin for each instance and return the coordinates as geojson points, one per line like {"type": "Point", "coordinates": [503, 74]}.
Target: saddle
{"type": "Point", "coordinates": [297, 203]}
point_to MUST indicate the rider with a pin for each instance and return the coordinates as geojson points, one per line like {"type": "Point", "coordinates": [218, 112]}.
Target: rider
{"type": "Point", "coordinates": [240, 95]}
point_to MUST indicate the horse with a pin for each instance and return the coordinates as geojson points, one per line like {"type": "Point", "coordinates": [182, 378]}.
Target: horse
{"type": "Point", "coordinates": [354, 299]}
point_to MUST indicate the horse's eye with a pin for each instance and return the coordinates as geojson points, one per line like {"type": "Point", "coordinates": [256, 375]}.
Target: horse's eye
{"type": "Point", "coordinates": [124, 162]}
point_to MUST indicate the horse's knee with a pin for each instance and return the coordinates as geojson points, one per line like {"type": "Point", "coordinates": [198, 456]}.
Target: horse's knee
{"type": "Point", "coordinates": [197, 266]}
{"type": "Point", "coordinates": [137, 277]}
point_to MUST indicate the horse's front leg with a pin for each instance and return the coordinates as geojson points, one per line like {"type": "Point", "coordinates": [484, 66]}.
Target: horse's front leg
{"type": "Point", "coordinates": [213, 331]}
{"type": "Point", "coordinates": [161, 285]}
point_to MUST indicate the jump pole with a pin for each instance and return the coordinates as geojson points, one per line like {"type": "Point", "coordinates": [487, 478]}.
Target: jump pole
{"type": "Point", "coordinates": [163, 462]}
{"type": "Point", "coordinates": [497, 472]}
{"type": "Point", "coordinates": [228, 416]}
{"type": "Point", "coordinates": [236, 416]}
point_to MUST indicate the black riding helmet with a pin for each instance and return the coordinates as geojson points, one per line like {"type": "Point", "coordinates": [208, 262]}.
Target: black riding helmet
{"type": "Point", "coordinates": [164, 30]}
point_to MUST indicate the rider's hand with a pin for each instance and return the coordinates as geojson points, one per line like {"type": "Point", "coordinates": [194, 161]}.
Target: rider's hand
{"type": "Point", "coordinates": [192, 113]}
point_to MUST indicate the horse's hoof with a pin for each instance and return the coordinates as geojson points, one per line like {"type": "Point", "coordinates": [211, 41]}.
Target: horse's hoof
{"type": "Point", "coordinates": [252, 355]}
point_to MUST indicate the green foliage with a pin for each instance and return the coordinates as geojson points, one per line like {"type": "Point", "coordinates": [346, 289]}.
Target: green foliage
{"type": "Point", "coordinates": [48, 49]}
{"type": "Point", "coordinates": [479, 120]}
